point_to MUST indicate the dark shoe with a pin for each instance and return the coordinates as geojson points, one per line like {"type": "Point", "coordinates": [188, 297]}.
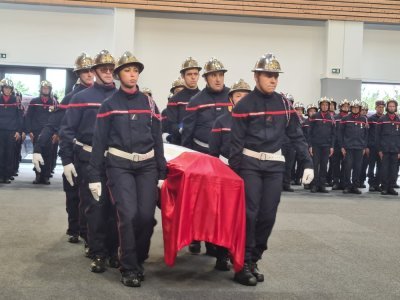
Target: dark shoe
{"type": "Point", "coordinates": [256, 273]}
{"type": "Point", "coordinates": [384, 192]}
{"type": "Point", "coordinates": [306, 186]}
{"type": "Point", "coordinates": [45, 181]}
{"type": "Point", "coordinates": [378, 189]}
{"type": "Point", "coordinates": [245, 276]}
{"type": "Point", "coordinates": [346, 191]}
{"type": "Point", "coordinates": [87, 250]}
{"type": "Point", "coordinates": [392, 192]}
{"type": "Point", "coordinates": [73, 239]}
{"type": "Point", "coordinates": [222, 264]}
{"type": "Point", "coordinates": [336, 187]}
{"type": "Point", "coordinates": [323, 189]}
{"type": "Point", "coordinates": [12, 178]}
{"type": "Point", "coordinates": [287, 188]}
{"type": "Point", "coordinates": [130, 279]}
{"type": "Point", "coordinates": [113, 262]}
{"type": "Point", "coordinates": [98, 265]}
{"type": "Point", "coordinates": [141, 272]}
{"type": "Point", "coordinates": [211, 250]}
{"type": "Point", "coordinates": [355, 190]}
{"type": "Point", "coordinates": [314, 189]}
{"type": "Point", "coordinates": [6, 181]}
{"type": "Point", "coordinates": [195, 247]}
{"type": "Point", "coordinates": [37, 180]}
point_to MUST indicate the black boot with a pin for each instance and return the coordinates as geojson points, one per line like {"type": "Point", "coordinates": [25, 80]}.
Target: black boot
{"type": "Point", "coordinates": [98, 265]}
{"type": "Point", "coordinates": [130, 279]}
{"type": "Point", "coordinates": [391, 191]}
{"type": "Point", "coordinates": [245, 276]}
{"type": "Point", "coordinates": [73, 239]}
{"type": "Point", "coordinates": [257, 274]}
{"type": "Point", "coordinates": [113, 261]}
{"type": "Point", "coordinates": [222, 263]}
{"type": "Point", "coordinates": [195, 247]}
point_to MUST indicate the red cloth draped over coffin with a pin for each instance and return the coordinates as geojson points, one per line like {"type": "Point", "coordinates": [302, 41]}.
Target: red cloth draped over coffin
{"type": "Point", "coordinates": [203, 199]}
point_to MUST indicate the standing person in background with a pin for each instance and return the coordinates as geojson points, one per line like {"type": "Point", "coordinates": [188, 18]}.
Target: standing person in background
{"type": "Point", "coordinates": [375, 163]}
{"type": "Point", "coordinates": [329, 175]}
{"type": "Point", "coordinates": [37, 116]}
{"type": "Point", "coordinates": [10, 130]}
{"type": "Point", "coordinates": [290, 155]}
{"type": "Point", "coordinates": [366, 156]}
{"type": "Point", "coordinates": [297, 171]}
{"type": "Point", "coordinates": [261, 121]}
{"type": "Point", "coordinates": [176, 108]}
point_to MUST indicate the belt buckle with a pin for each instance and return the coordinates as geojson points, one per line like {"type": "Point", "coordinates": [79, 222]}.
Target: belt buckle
{"type": "Point", "coordinates": [135, 157]}
{"type": "Point", "coordinates": [263, 156]}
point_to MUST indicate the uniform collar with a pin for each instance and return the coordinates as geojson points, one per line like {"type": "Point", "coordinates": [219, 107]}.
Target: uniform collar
{"type": "Point", "coordinates": [263, 95]}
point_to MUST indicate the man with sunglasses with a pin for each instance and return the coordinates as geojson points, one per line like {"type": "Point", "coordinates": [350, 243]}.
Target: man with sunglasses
{"type": "Point", "coordinates": [260, 123]}
{"type": "Point", "coordinates": [49, 133]}
{"type": "Point", "coordinates": [75, 150]}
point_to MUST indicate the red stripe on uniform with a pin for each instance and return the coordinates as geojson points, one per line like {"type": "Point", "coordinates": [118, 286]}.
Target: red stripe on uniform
{"type": "Point", "coordinates": [207, 105]}
{"type": "Point", "coordinates": [220, 129]}
{"type": "Point", "coordinates": [324, 120]}
{"type": "Point", "coordinates": [131, 111]}
{"type": "Point", "coordinates": [357, 122]}
{"type": "Point", "coordinates": [177, 103]}
{"type": "Point", "coordinates": [388, 122]}
{"type": "Point", "coordinates": [84, 105]}
{"type": "Point", "coordinates": [263, 113]}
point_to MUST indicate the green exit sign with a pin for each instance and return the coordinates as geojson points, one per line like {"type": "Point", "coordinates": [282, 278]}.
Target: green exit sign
{"type": "Point", "coordinates": [336, 71]}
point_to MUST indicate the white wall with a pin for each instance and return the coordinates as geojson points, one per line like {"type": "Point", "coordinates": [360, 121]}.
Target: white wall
{"type": "Point", "coordinates": [48, 37]}
{"type": "Point", "coordinates": [162, 44]}
{"type": "Point", "coordinates": [381, 55]}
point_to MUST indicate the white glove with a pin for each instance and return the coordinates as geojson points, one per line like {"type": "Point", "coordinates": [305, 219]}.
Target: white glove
{"type": "Point", "coordinates": [180, 130]}
{"type": "Point", "coordinates": [164, 137]}
{"type": "Point", "coordinates": [37, 160]}
{"type": "Point", "coordinates": [308, 176]}
{"type": "Point", "coordinates": [95, 188]}
{"type": "Point", "coordinates": [70, 172]}
{"type": "Point", "coordinates": [160, 183]}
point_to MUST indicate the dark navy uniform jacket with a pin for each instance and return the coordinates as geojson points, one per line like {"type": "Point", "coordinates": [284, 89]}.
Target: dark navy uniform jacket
{"type": "Point", "coordinates": [54, 122]}
{"type": "Point", "coordinates": [176, 111]}
{"type": "Point", "coordinates": [220, 139]}
{"type": "Point", "coordinates": [260, 123]}
{"type": "Point", "coordinates": [80, 119]}
{"type": "Point", "coordinates": [10, 114]}
{"type": "Point", "coordinates": [305, 126]}
{"type": "Point", "coordinates": [130, 123]}
{"type": "Point", "coordinates": [202, 111]}
{"type": "Point", "coordinates": [388, 133]}
{"type": "Point", "coordinates": [338, 117]}
{"type": "Point", "coordinates": [322, 130]}
{"type": "Point", "coordinates": [38, 113]}
{"type": "Point", "coordinates": [354, 132]}
{"type": "Point", "coordinates": [372, 122]}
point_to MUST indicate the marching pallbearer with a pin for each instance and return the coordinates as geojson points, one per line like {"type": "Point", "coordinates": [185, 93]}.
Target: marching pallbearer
{"type": "Point", "coordinates": [321, 142]}
{"type": "Point", "coordinates": [128, 126]}
{"type": "Point", "coordinates": [388, 146]}
{"type": "Point", "coordinates": [353, 140]}
{"type": "Point", "coordinates": [10, 130]}
{"type": "Point", "coordinates": [76, 136]}
{"type": "Point", "coordinates": [260, 122]}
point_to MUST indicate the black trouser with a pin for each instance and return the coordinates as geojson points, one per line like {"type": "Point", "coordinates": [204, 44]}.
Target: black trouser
{"type": "Point", "coordinates": [18, 157]}
{"type": "Point", "coordinates": [337, 166]}
{"type": "Point", "coordinates": [72, 208]}
{"type": "Point", "coordinates": [352, 168]}
{"type": "Point", "coordinates": [134, 193]}
{"type": "Point", "coordinates": [364, 166]}
{"type": "Point", "coordinates": [54, 158]}
{"type": "Point", "coordinates": [290, 154]}
{"type": "Point", "coordinates": [374, 161]}
{"type": "Point", "coordinates": [100, 216]}
{"type": "Point", "coordinates": [329, 173]}
{"type": "Point", "coordinates": [7, 154]}
{"type": "Point", "coordinates": [320, 160]}
{"type": "Point", "coordinates": [47, 154]}
{"type": "Point", "coordinates": [263, 193]}
{"type": "Point", "coordinates": [389, 170]}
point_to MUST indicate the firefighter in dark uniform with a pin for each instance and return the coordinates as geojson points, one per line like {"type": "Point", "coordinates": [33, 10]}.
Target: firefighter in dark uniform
{"type": "Point", "coordinates": [321, 141]}
{"type": "Point", "coordinates": [290, 155]}
{"type": "Point", "coordinates": [260, 122]}
{"type": "Point", "coordinates": [388, 146]}
{"type": "Point", "coordinates": [201, 112]}
{"type": "Point", "coordinates": [297, 171]}
{"type": "Point", "coordinates": [176, 107]}
{"type": "Point", "coordinates": [18, 156]}
{"type": "Point", "coordinates": [177, 86]}
{"type": "Point", "coordinates": [76, 135]}
{"type": "Point", "coordinates": [76, 220]}
{"type": "Point", "coordinates": [37, 117]}
{"type": "Point", "coordinates": [353, 137]}
{"type": "Point", "coordinates": [365, 160]}
{"type": "Point", "coordinates": [220, 138]}
{"type": "Point", "coordinates": [311, 110]}
{"type": "Point", "coordinates": [128, 127]}
{"type": "Point", "coordinates": [329, 175]}
{"type": "Point", "coordinates": [374, 159]}
{"type": "Point", "coordinates": [337, 157]}
{"type": "Point", "coordinates": [10, 130]}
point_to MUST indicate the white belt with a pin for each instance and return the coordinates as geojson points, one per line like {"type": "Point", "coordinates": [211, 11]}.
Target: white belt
{"type": "Point", "coordinates": [84, 146]}
{"type": "Point", "coordinates": [200, 143]}
{"type": "Point", "coordinates": [277, 156]}
{"type": "Point", "coordinates": [131, 156]}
